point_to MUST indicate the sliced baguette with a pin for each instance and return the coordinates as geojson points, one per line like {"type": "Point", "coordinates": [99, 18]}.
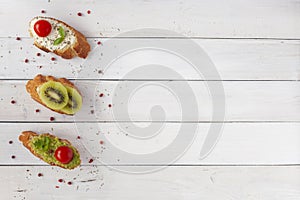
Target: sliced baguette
{"type": "Point", "coordinates": [78, 47]}
{"type": "Point", "coordinates": [27, 136]}
{"type": "Point", "coordinates": [33, 84]}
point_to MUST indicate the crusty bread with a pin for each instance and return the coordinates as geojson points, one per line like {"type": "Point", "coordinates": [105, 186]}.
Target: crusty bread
{"type": "Point", "coordinates": [33, 84]}
{"type": "Point", "coordinates": [26, 136]}
{"type": "Point", "coordinates": [80, 48]}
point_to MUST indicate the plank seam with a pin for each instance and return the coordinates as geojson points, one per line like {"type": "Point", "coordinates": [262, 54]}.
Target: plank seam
{"type": "Point", "coordinates": [170, 122]}
{"type": "Point", "coordinates": [195, 37]}
{"type": "Point", "coordinates": [173, 165]}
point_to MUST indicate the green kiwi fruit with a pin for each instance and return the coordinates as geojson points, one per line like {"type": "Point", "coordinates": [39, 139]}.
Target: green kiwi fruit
{"type": "Point", "coordinates": [75, 101]}
{"type": "Point", "coordinates": [54, 95]}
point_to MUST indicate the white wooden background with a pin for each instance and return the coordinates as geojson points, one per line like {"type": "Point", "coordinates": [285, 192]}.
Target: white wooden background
{"type": "Point", "coordinates": [255, 46]}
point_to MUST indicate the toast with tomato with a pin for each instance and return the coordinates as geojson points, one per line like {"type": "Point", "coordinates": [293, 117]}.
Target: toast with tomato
{"type": "Point", "coordinates": [52, 35]}
{"type": "Point", "coordinates": [51, 149]}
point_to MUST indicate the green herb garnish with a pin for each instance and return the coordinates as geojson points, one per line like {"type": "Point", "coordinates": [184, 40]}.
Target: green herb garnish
{"type": "Point", "coordinates": [58, 41]}
{"type": "Point", "coordinates": [62, 34]}
{"type": "Point", "coordinates": [42, 143]}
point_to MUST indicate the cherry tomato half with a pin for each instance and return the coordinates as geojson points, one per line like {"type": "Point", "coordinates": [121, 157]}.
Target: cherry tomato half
{"type": "Point", "coordinates": [64, 154]}
{"type": "Point", "coordinates": [42, 28]}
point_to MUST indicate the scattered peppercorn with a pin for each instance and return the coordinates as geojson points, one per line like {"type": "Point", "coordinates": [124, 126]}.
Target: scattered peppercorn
{"type": "Point", "coordinates": [91, 160]}
{"type": "Point", "coordinates": [26, 60]}
{"type": "Point", "coordinates": [98, 42]}
{"type": "Point", "coordinates": [60, 180]}
{"type": "Point", "coordinates": [40, 174]}
{"type": "Point", "coordinates": [69, 183]}
{"type": "Point", "coordinates": [101, 95]}
{"type": "Point", "coordinates": [101, 142]}
{"type": "Point", "coordinates": [13, 102]}
{"type": "Point", "coordinates": [88, 12]}
{"type": "Point", "coordinates": [18, 38]}
{"type": "Point", "coordinates": [52, 118]}
{"type": "Point", "coordinates": [79, 14]}
{"type": "Point", "coordinates": [10, 142]}
{"type": "Point", "coordinates": [53, 59]}
{"type": "Point", "coordinates": [37, 110]}
{"type": "Point", "coordinates": [109, 105]}
{"type": "Point", "coordinates": [13, 157]}
{"type": "Point", "coordinates": [38, 54]}
{"type": "Point", "coordinates": [43, 11]}
{"type": "Point", "coordinates": [50, 151]}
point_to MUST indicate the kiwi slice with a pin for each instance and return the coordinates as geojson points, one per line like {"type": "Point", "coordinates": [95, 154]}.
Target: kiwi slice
{"type": "Point", "coordinates": [74, 103]}
{"type": "Point", "coordinates": [54, 95]}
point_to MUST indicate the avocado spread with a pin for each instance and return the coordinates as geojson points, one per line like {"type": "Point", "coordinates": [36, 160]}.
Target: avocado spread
{"type": "Point", "coordinates": [45, 146]}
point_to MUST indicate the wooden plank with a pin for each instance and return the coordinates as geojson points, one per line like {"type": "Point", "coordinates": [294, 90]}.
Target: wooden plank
{"type": "Point", "coordinates": [139, 101]}
{"type": "Point", "coordinates": [233, 59]}
{"type": "Point", "coordinates": [240, 143]}
{"type": "Point", "coordinates": [268, 183]}
{"type": "Point", "coordinates": [223, 19]}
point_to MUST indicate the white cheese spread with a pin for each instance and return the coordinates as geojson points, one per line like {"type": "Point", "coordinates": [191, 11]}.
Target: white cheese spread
{"type": "Point", "coordinates": [48, 41]}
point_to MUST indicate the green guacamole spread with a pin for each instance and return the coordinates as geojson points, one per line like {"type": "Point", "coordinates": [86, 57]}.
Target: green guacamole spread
{"type": "Point", "coordinates": [45, 147]}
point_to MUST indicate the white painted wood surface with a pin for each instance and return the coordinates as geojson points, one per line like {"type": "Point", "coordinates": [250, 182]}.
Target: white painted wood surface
{"type": "Point", "coordinates": [240, 143]}
{"type": "Point", "coordinates": [234, 60]}
{"type": "Point", "coordinates": [245, 101]}
{"type": "Point", "coordinates": [192, 182]}
{"type": "Point", "coordinates": [255, 47]}
{"type": "Point", "coordinates": [223, 19]}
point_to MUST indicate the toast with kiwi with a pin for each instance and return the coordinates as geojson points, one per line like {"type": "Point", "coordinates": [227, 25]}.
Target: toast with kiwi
{"type": "Point", "coordinates": [51, 149]}
{"type": "Point", "coordinates": [57, 94]}
{"type": "Point", "coordinates": [52, 35]}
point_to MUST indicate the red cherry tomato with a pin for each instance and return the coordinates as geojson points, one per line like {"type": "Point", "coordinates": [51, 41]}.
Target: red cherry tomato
{"type": "Point", "coordinates": [64, 154]}
{"type": "Point", "coordinates": [42, 28]}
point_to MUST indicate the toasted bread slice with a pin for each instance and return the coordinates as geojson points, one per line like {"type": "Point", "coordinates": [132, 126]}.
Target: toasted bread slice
{"type": "Point", "coordinates": [32, 88]}
{"type": "Point", "coordinates": [27, 138]}
{"type": "Point", "coordinates": [74, 43]}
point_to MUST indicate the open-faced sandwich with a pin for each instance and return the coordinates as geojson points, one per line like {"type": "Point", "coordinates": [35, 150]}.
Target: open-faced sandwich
{"type": "Point", "coordinates": [57, 94]}
{"type": "Point", "coordinates": [51, 149]}
{"type": "Point", "coordinates": [52, 35]}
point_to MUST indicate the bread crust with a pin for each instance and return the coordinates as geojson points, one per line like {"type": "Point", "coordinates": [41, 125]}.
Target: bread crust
{"type": "Point", "coordinates": [26, 136]}
{"type": "Point", "coordinates": [80, 48]}
{"type": "Point", "coordinates": [33, 84]}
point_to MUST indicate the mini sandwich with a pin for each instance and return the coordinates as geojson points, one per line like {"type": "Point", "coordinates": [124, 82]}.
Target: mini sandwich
{"type": "Point", "coordinates": [59, 95]}
{"type": "Point", "coordinates": [52, 35]}
{"type": "Point", "coordinates": [51, 149]}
